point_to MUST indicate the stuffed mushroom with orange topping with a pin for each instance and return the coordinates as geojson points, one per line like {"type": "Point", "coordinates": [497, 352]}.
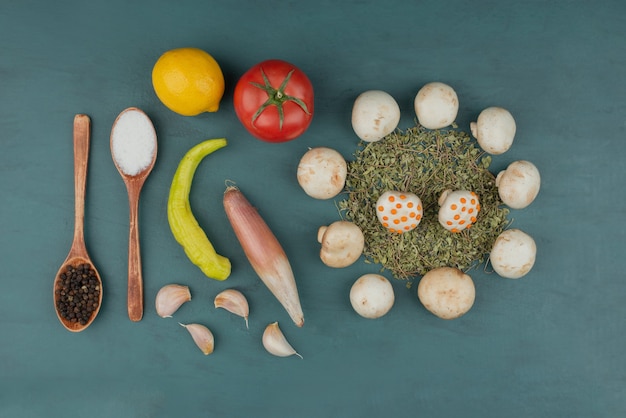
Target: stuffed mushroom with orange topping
{"type": "Point", "coordinates": [399, 212]}
{"type": "Point", "coordinates": [458, 210]}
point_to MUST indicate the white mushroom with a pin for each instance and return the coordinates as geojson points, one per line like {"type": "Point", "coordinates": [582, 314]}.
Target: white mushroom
{"type": "Point", "coordinates": [446, 292]}
{"type": "Point", "coordinates": [371, 296]}
{"type": "Point", "coordinates": [436, 105]}
{"type": "Point", "coordinates": [322, 173]}
{"type": "Point", "coordinates": [494, 130]}
{"type": "Point", "coordinates": [342, 243]}
{"type": "Point", "coordinates": [513, 254]}
{"type": "Point", "coordinates": [519, 184]}
{"type": "Point", "coordinates": [375, 114]}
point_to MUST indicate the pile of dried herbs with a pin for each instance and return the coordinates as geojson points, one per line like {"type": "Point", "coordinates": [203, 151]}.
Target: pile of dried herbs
{"type": "Point", "coordinates": [426, 163]}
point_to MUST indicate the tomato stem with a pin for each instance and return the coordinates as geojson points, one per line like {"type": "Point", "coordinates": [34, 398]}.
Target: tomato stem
{"type": "Point", "coordinates": [277, 97]}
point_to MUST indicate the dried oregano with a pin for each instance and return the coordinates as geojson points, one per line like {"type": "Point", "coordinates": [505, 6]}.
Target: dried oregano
{"type": "Point", "coordinates": [424, 162]}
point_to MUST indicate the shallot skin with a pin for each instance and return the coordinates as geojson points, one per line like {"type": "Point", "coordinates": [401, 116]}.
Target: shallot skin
{"type": "Point", "coordinates": [266, 255]}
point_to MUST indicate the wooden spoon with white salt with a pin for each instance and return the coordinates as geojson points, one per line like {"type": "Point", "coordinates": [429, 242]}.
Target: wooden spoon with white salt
{"type": "Point", "coordinates": [134, 150]}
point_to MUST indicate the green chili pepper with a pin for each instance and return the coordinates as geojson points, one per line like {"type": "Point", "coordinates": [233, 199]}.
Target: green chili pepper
{"type": "Point", "coordinates": [184, 225]}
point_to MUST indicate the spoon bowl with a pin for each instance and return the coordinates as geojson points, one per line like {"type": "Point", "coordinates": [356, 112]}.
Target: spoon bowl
{"type": "Point", "coordinates": [64, 281]}
{"type": "Point", "coordinates": [78, 285]}
{"type": "Point", "coordinates": [134, 150]}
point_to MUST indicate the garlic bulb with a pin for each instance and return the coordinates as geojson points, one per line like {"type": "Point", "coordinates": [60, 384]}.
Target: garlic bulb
{"type": "Point", "coordinates": [234, 302]}
{"type": "Point", "coordinates": [202, 336]}
{"type": "Point", "coordinates": [170, 298]}
{"type": "Point", "coordinates": [275, 342]}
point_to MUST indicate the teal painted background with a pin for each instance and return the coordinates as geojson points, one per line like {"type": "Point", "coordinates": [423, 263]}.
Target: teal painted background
{"type": "Point", "coordinates": [548, 345]}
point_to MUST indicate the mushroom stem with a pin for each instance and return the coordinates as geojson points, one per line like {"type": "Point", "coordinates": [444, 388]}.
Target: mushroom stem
{"type": "Point", "coordinates": [320, 233]}
{"type": "Point", "coordinates": [474, 129]}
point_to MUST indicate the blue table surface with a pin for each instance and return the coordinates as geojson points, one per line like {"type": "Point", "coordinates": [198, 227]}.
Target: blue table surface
{"type": "Point", "coordinates": [548, 345]}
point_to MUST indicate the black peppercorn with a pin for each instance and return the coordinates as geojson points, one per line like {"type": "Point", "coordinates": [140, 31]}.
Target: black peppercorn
{"type": "Point", "coordinates": [78, 294]}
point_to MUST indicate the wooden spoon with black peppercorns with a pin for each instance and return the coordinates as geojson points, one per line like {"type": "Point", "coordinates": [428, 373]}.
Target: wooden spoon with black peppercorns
{"type": "Point", "coordinates": [77, 285]}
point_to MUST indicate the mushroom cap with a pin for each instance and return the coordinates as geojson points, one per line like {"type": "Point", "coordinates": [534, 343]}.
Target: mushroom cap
{"type": "Point", "coordinates": [322, 173]}
{"type": "Point", "coordinates": [436, 105]}
{"type": "Point", "coordinates": [446, 292]}
{"type": "Point", "coordinates": [342, 243]}
{"type": "Point", "coordinates": [494, 130]}
{"type": "Point", "coordinates": [519, 184]}
{"type": "Point", "coordinates": [375, 114]}
{"type": "Point", "coordinates": [372, 296]}
{"type": "Point", "coordinates": [513, 254]}
{"type": "Point", "coordinates": [399, 211]}
{"type": "Point", "coordinates": [458, 209]}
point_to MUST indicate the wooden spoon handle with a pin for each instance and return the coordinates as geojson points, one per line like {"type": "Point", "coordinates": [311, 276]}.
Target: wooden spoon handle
{"type": "Point", "coordinates": [135, 278]}
{"type": "Point", "coordinates": [82, 127]}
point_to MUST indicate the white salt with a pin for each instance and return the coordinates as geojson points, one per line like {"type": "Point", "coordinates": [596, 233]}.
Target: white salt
{"type": "Point", "coordinates": [133, 142]}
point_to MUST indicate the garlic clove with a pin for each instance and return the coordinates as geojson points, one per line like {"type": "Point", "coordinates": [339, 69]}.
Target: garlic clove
{"type": "Point", "coordinates": [202, 336]}
{"type": "Point", "coordinates": [275, 342]}
{"type": "Point", "coordinates": [234, 302]}
{"type": "Point", "coordinates": [170, 298]}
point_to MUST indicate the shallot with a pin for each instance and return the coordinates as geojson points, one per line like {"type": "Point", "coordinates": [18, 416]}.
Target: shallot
{"type": "Point", "coordinates": [266, 255]}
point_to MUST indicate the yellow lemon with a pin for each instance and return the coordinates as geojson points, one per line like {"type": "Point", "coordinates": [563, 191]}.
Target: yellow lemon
{"type": "Point", "coordinates": [188, 81]}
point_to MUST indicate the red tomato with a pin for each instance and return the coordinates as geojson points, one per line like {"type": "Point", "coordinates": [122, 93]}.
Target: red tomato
{"type": "Point", "coordinates": [274, 101]}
